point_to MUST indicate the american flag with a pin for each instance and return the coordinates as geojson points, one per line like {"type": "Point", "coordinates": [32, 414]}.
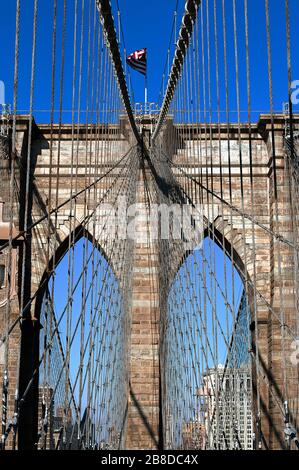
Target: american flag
{"type": "Point", "coordinates": [137, 60]}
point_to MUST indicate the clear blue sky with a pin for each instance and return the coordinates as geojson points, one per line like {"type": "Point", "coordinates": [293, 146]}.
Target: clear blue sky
{"type": "Point", "coordinates": [148, 24]}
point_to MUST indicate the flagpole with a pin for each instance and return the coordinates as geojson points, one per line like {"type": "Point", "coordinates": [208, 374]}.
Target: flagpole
{"type": "Point", "coordinates": [145, 91]}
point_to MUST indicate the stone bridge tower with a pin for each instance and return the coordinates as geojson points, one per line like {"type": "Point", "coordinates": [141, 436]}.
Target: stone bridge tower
{"type": "Point", "coordinates": [260, 256]}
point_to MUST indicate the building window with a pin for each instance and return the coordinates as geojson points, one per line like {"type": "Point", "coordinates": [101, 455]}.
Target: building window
{"type": "Point", "coordinates": [2, 276]}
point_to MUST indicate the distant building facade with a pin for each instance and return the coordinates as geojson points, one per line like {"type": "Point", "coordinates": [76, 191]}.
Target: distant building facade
{"type": "Point", "coordinates": [194, 436]}
{"type": "Point", "coordinates": [226, 395]}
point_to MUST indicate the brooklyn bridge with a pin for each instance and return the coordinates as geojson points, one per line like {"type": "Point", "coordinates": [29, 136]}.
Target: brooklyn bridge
{"type": "Point", "coordinates": [149, 253]}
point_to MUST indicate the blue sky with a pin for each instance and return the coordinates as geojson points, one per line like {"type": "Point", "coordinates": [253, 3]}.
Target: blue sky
{"type": "Point", "coordinates": [97, 293]}
{"type": "Point", "coordinates": [148, 24]}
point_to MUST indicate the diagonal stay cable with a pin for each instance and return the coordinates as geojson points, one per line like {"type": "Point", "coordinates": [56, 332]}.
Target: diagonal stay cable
{"type": "Point", "coordinates": [74, 196]}
{"type": "Point", "coordinates": [234, 208]}
{"type": "Point", "coordinates": [16, 321]}
{"type": "Point", "coordinates": [41, 358]}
